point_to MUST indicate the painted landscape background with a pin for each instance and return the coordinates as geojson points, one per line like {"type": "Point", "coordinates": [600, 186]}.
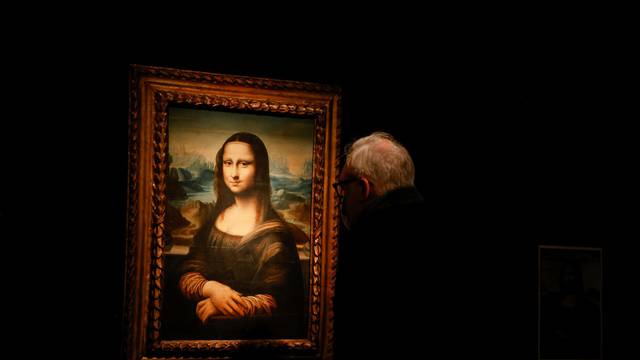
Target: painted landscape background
{"type": "Point", "coordinates": [195, 136]}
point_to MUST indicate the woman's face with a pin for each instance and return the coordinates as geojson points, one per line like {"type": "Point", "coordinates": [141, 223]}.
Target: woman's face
{"type": "Point", "coordinates": [238, 167]}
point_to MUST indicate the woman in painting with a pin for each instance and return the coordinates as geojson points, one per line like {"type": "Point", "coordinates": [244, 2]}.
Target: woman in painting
{"type": "Point", "coordinates": [243, 270]}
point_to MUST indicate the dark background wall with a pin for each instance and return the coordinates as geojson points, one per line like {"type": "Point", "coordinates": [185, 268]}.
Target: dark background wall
{"type": "Point", "coordinates": [515, 146]}
{"type": "Point", "coordinates": [511, 148]}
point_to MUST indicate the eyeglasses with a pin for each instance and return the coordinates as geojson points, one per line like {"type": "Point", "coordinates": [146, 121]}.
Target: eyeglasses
{"type": "Point", "coordinates": [339, 186]}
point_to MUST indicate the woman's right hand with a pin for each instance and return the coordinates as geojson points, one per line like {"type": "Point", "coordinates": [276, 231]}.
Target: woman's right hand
{"type": "Point", "coordinates": [225, 299]}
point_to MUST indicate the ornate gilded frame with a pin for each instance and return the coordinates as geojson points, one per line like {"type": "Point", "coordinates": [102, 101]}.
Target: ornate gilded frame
{"type": "Point", "coordinates": [151, 91]}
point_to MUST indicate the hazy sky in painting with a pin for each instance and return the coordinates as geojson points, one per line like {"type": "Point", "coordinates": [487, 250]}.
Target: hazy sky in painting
{"type": "Point", "coordinates": [204, 131]}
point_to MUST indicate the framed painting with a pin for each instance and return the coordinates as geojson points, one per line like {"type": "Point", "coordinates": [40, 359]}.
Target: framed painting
{"type": "Point", "coordinates": [570, 302]}
{"type": "Point", "coordinates": [232, 220]}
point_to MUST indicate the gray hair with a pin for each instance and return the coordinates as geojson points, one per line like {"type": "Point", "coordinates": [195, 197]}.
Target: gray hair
{"type": "Point", "coordinates": [383, 160]}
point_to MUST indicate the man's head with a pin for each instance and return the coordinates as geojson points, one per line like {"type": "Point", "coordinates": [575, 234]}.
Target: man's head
{"type": "Point", "coordinates": [375, 165]}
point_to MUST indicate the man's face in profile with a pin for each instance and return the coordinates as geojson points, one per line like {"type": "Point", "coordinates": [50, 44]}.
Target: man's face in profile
{"type": "Point", "coordinates": [352, 197]}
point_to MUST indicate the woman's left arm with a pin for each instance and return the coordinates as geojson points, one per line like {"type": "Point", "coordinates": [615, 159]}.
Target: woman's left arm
{"type": "Point", "coordinates": [273, 281]}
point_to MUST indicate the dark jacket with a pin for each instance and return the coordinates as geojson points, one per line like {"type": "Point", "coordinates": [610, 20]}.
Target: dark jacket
{"type": "Point", "coordinates": [381, 279]}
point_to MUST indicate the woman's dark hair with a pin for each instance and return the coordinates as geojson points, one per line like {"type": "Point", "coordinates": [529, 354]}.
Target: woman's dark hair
{"type": "Point", "coordinates": [262, 183]}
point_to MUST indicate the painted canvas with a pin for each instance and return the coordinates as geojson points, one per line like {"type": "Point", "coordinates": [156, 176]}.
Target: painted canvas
{"type": "Point", "coordinates": [200, 251]}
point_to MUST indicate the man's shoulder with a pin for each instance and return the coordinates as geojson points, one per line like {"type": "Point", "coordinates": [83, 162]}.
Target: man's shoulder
{"type": "Point", "coordinates": [400, 213]}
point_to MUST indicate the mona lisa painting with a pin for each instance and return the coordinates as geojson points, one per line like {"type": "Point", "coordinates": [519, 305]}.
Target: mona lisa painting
{"type": "Point", "coordinates": [231, 225]}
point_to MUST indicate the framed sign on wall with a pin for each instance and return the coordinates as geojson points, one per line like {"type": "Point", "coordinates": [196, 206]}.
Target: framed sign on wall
{"type": "Point", "coordinates": [570, 302]}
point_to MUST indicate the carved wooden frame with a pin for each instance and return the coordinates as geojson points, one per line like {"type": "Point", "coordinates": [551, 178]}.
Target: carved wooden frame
{"type": "Point", "coordinates": [151, 91]}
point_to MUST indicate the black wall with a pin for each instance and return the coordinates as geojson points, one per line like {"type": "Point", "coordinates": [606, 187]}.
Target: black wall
{"type": "Point", "coordinates": [510, 151]}
{"type": "Point", "coordinates": [514, 148]}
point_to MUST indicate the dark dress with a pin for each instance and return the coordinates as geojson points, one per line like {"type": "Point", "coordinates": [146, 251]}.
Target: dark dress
{"type": "Point", "coordinates": [264, 261]}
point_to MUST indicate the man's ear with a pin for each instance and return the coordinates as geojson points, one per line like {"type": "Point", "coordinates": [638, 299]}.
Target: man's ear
{"type": "Point", "coordinates": [366, 188]}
